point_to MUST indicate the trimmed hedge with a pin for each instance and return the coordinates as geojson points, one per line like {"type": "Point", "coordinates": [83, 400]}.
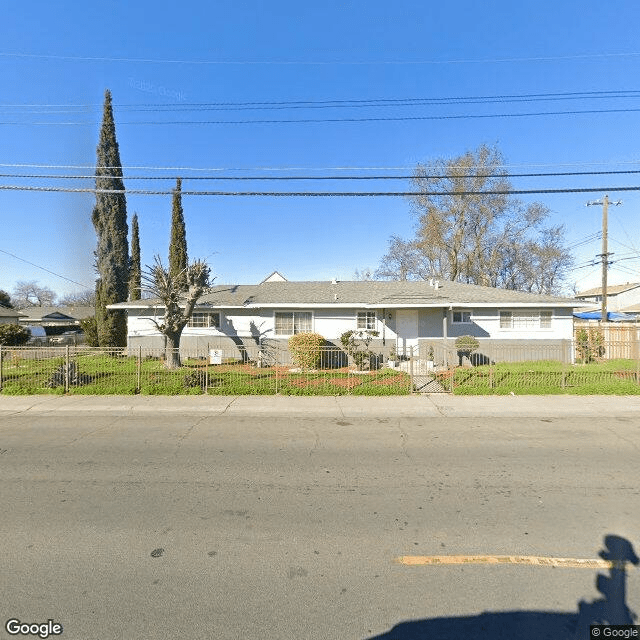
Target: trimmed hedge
{"type": "Point", "coordinates": [306, 350]}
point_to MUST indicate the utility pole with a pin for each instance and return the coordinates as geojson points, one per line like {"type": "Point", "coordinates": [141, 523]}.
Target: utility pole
{"type": "Point", "coordinates": [605, 250]}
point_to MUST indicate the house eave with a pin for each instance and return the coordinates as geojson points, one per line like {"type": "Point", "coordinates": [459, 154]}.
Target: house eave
{"type": "Point", "coordinates": [378, 305]}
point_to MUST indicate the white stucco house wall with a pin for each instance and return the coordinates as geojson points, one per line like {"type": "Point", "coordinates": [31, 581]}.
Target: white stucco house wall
{"type": "Point", "coordinates": [406, 315]}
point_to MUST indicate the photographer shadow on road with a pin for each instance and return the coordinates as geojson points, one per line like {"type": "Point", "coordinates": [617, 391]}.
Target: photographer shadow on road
{"type": "Point", "coordinates": [535, 625]}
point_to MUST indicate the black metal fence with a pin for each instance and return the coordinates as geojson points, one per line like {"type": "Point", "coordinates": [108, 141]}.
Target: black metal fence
{"type": "Point", "coordinates": [575, 366]}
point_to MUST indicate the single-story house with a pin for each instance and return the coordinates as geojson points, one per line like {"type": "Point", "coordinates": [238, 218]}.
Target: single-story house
{"type": "Point", "coordinates": [56, 320]}
{"type": "Point", "coordinates": [9, 316]}
{"type": "Point", "coordinates": [407, 315]}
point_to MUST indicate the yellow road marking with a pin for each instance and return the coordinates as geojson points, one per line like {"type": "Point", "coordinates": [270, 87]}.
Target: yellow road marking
{"type": "Point", "coordinates": [539, 561]}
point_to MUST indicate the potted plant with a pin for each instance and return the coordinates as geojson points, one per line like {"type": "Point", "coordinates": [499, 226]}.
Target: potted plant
{"type": "Point", "coordinates": [393, 358]}
{"type": "Point", "coordinates": [430, 357]}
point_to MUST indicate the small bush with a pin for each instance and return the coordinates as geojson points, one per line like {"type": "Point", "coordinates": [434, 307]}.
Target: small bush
{"type": "Point", "coordinates": [589, 345]}
{"type": "Point", "coordinates": [13, 335]}
{"type": "Point", "coordinates": [356, 344]}
{"type": "Point", "coordinates": [467, 345]}
{"type": "Point", "coordinates": [306, 350]}
{"type": "Point", "coordinates": [196, 378]}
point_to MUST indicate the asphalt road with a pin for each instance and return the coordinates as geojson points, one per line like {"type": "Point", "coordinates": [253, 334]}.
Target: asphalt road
{"type": "Point", "coordinates": [192, 525]}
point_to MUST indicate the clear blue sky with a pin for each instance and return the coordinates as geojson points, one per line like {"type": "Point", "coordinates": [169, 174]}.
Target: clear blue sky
{"type": "Point", "coordinates": [166, 54]}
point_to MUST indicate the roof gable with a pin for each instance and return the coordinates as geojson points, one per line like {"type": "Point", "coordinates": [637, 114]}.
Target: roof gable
{"type": "Point", "coordinates": [275, 276]}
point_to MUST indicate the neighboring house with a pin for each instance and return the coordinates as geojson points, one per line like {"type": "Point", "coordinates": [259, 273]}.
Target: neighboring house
{"type": "Point", "coordinates": [56, 320]}
{"type": "Point", "coordinates": [9, 316]}
{"type": "Point", "coordinates": [405, 314]}
{"type": "Point", "coordinates": [621, 298]}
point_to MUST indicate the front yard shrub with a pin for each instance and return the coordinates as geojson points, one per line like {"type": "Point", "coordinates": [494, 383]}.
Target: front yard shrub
{"type": "Point", "coordinates": [13, 335]}
{"type": "Point", "coordinates": [589, 345]}
{"type": "Point", "coordinates": [356, 344]}
{"type": "Point", "coordinates": [306, 350]}
{"type": "Point", "coordinates": [466, 345]}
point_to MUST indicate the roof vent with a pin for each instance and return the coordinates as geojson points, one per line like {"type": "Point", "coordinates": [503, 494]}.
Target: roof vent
{"type": "Point", "coordinates": [436, 285]}
{"type": "Point", "coordinates": [431, 282]}
{"type": "Point", "coordinates": [334, 281]}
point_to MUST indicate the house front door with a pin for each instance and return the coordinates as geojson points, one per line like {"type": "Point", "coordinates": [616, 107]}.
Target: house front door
{"type": "Point", "coordinates": [407, 330]}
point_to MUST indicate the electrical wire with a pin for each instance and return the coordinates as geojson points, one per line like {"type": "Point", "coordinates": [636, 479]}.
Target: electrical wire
{"type": "Point", "coordinates": [332, 104]}
{"type": "Point", "coordinates": [294, 168]}
{"type": "Point", "coordinates": [33, 264]}
{"type": "Point", "coordinates": [337, 194]}
{"type": "Point", "coordinates": [581, 56]}
{"type": "Point", "coordinates": [285, 178]}
{"type": "Point", "coordinates": [467, 116]}
{"type": "Point", "coordinates": [587, 240]}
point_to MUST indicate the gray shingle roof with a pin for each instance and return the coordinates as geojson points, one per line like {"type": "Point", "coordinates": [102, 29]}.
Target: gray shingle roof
{"type": "Point", "coordinates": [5, 312]}
{"type": "Point", "coordinates": [612, 290]}
{"type": "Point", "coordinates": [37, 314]}
{"type": "Point", "coordinates": [365, 293]}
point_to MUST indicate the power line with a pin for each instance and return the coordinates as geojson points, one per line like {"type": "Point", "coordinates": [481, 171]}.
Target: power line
{"type": "Point", "coordinates": [587, 240]}
{"type": "Point", "coordinates": [582, 56]}
{"type": "Point", "coordinates": [293, 178]}
{"type": "Point", "coordinates": [333, 120]}
{"type": "Point", "coordinates": [336, 194]}
{"type": "Point", "coordinates": [294, 168]}
{"type": "Point", "coordinates": [334, 103]}
{"type": "Point", "coordinates": [33, 264]}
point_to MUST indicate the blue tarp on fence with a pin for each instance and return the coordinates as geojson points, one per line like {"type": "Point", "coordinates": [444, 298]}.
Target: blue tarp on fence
{"type": "Point", "coordinates": [612, 316]}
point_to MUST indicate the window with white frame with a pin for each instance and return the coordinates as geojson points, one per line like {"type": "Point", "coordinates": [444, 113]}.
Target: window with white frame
{"type": "Point", "coordinates": [526, 319]}
{"type": "Point", "coordinates": [366, 320]}
{"type": "Point", "coordinates": [288, 323]}
{"type": "Point", "coordinates": [201, 319]}
{"type": "Point", "coordinates": [461, 317]}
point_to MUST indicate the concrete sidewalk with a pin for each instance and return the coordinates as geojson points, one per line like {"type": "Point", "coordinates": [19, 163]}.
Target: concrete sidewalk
{"type": "Point", "coordinates": [423, 406]}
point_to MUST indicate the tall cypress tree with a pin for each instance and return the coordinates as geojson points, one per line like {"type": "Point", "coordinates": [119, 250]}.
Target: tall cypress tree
{"type": "Point", "coordinates": [135, 268]}
{"type": "Point", "coordinates": [178, 243]}
{"type": "Point", "coordinates": [110, 222]}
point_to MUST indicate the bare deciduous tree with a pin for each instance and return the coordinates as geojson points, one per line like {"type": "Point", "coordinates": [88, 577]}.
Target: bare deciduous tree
{"type": "Point", "coordinates": [85, 298]}
{"type": "Point", "coordinates": [404, 261]}
{"type": "Point", "coordinates": [470, 229]}
{"type": "Point", "coordinates": [28, 293]}
{"type": "Point", "coordinates": [179, 297]}
{"type": "Point", "coordinates": [363, 275]}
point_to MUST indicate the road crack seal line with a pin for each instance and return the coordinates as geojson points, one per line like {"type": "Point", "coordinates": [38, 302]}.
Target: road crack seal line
{"type": "Point", "coordinates": [316, 435]}
{"type": "Point", "coordinates": [404, 438]}
{"type": "Point", "coordinates": [228, 406]}
{"type": "Point", "coordinates": [339, 407]}
{"type": "Point", "coordinates": [89, 433]}
{"type": "Point", "coordinates": [187, 433]}
{"type": "Point", "coordinates": [627, 440]}
{"type": "Point", "coordinates": [30, 407]}
{"type": "Point", "coordinates": [433, 402]}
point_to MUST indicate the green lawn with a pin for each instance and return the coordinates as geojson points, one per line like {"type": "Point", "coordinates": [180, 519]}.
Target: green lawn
{"type": "Point", "coordinates": [107, 375]}
{"type": "Point", "coordinates": [101, 374]}
{"type": "Point", "coordinates": [614, 377]}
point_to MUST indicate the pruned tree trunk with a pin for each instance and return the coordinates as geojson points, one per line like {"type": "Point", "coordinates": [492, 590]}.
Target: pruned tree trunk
{"type": "Point", "coordinates": [172, 351]}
